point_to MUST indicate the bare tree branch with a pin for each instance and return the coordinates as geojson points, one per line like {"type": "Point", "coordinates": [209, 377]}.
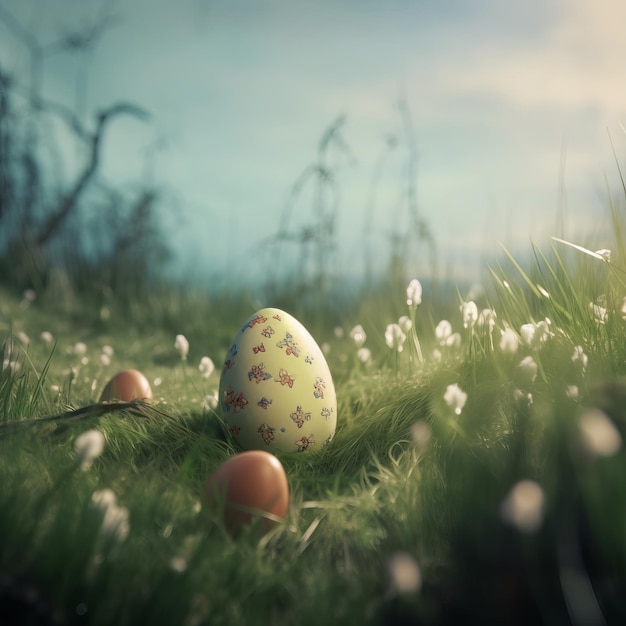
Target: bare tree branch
{"type": "Point", "coordinates": [54, 221]}
{"type": "Point", "coordinates": [64, 113]}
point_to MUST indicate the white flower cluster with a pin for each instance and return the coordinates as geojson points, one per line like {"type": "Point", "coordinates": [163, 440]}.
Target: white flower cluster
{"type": "Point", "coordinates": [210, 401]}
{"type": "Point", "coordinates": [535, 335]}
{"type": "Point", "coordinates": [395, 337]}
{"type": "Point", "coordinates": [455, 398]}
{"type": "Point", "coordinates": [524, 506]}
{"type": "Point", "coordinates": [469, 313]}
{"type": "Point", "coordinates": [206, 367]}
{"type": "Point", "coordinates": [446, 338]}
{"type": "Point", "coordinates": [414, 293]}
{"type": "Point", "coordinates": [404, 573]}
{"type": "Point", "coordinates": [182, 346]}
{"type": "Point", "coordinates": [89, 446]}
{"type": "Point", "coordinates": [599, 436]}
{"type": "Point", "coordinates": [359, 336]}
{"type": "Point", "coordinates": [115, 522]}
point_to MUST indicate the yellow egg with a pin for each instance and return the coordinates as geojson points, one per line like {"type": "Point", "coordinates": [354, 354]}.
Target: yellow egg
{"type": "Point", "coordinates": [127, 386]}
{"type": "Point", "coordinates": [276, 390]}
{"type": "Point", "coordinates": [251, 484]}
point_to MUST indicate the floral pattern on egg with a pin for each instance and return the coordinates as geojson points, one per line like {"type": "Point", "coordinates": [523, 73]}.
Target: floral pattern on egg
{"type": "Point", "coordinates": [275, 384]}
{"type": "Point", "coordinates": [304, 442]}
{"type": "Point", "coordinates": [299, 417]}
{"type": "Point", "coordinates": [258, 373]}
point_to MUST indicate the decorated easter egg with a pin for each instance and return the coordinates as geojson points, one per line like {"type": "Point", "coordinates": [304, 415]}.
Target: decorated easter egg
{"type": "Point", "coordinates": [127, 386]}
{"type": "Point", "coordinates": [276, 390]}
{"type": "Point", "coordinates": [249, 485]}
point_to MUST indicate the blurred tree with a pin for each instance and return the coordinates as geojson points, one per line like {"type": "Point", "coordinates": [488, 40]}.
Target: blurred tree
{"type": "Point", "coordinates": [40, 216]}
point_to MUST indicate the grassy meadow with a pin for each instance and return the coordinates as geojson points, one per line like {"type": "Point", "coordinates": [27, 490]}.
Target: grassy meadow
{"type": "Point", "coordinates": [476, 476]}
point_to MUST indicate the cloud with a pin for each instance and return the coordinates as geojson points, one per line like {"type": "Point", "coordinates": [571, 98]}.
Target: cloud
{"type": "Point", "coordinates": [578, 63]}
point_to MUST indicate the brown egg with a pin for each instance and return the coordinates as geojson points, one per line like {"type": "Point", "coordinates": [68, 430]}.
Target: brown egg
{"type": "Point", "coordinates": [126, 386]}
{"type": "Point", "coordinates": [250, 484]}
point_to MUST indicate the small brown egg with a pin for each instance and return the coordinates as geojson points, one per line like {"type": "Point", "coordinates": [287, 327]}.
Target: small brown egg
{"type": "Point", "coordinates": [126, 386]}
{"type": "Point", "coordinates": [250, 484]}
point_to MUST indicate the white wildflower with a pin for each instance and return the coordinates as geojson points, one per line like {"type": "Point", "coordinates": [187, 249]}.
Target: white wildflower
{"type": "Point", "coordinates": [543, 332]}
{"type": "Point", "coordinates": [527, 333]}
{"type": "Point", "coordinates": [509, 341]}
{"type": "Point", "coordinates": [524, 506]}
{"type": "Point", "coordinates": [178, 564]}
{"type": "Point", "coordinates": [115, 522]}
{"type": "Point", "coordinates": [103, 499]}
{"type": "Point", "coordinates": [206, 367]}
{"type": "Point", "coordinates": [414, 293]}
{"type": "Point", "coordinates": [358, 335]}
{"type": "Point", "coordinates": [182, 345]}
{"type": "Point", "coordinates": [29, 295]}
{"type": "Point", "coordinates": [105, 359]}
{"type": "Point", "coordinates": [405, 323]}
{"type": "Point", "coordinates": [89, 446]}
{"type": "Point", "coordinates": [108, 350]}
{"type": "Point", "coordinates": [115, 518]}
{"type": "Point", "coordinates": [454, 340]}
{"type": "Point", "coordinates": [523, 398]}
{"type": "Point", "coordinates": [455, 398]}
{"type": "Point", "coordinates": [325, 348]}
{"type": "Point", "coordinates": [571, 392]}
{"type": "Point", "coordinates": [437, 356]}
{"type": "Point", "coordinates": [157, 381]}
{"type": "Point", "coordinates": [79, 348]}
{"type": "Point", "coordinates": [487, 317]}
{"type": "Point", "coordinates": [536, 334]}
{"type": "Point", "coordinates": [404, 573]}
{"type": "Point", "coordinates": [469, 312]}
{"type": "Point", "coordinates": [23, 338]}
{"type": "Point", "coordinates": [394, 337]}
{"type": "Point", "coordinates": [364, 355]}
{"type": "Point", "coordinates": [528, 369]}
{"type": "Point", "coordinates": [442, 331]}
{"type": "Point", "coordinates": [46, 337]}
{"type": "Point", "coordinates": [210, 401]}
{"type": "Point", "coordinates": [14, 366]}
{"type": "Point", "coordinates": [599, 435]}
{"type": "Point", "coordinates": [338, 332]}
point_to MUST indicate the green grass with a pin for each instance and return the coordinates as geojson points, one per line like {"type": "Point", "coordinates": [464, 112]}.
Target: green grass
{"type": "Point", "coordinates": [371, 497]}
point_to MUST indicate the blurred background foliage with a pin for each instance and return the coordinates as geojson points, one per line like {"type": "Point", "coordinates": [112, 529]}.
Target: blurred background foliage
{"type": "Point", "coordinates": [69, 237]}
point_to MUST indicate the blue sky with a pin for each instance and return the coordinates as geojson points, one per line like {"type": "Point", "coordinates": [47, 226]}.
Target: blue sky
{"type": "Point", "coordinates": [506, 100]}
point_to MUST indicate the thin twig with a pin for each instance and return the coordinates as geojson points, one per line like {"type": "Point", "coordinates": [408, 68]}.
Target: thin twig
{"type": "Point", "coordinates": [137, 408]}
